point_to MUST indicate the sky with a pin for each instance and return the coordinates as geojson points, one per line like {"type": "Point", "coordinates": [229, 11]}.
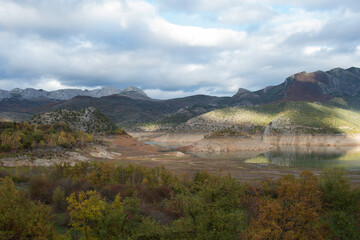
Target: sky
{"type": "Point", "coordinates": [173, 48]}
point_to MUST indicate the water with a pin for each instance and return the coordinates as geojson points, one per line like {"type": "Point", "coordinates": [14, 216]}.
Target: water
{"type": "Point", "coordinates": [296, 157]}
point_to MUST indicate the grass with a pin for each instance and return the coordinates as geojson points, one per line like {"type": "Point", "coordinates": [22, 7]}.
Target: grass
{"type": "Point", "coordinates": [258, 160]}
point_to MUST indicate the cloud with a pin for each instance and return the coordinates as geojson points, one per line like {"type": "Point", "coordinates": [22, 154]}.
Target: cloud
{"type": "Point", "coordinates": [233, 44]}
{"type": "Point", "coordinates": [215, 5]}
{"type": "Point", "coordinates": [246, 14]}
{"type": "Point", "coordinates": [160, 94]}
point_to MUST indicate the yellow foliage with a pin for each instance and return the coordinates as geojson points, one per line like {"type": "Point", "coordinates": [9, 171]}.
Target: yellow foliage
{"type": "Point", "coordinates": [85, 210]}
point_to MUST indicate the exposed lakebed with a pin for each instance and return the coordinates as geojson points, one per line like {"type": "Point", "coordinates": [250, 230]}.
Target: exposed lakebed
{"type": "Point", "coordinates": [294, 157]}
{"type": "Point", "coordinates": [319, 157]}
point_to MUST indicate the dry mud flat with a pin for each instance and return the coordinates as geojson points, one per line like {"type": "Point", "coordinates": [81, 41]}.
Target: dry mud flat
{"type": "Point", "coordinates": [168, 138]}
{"type": "Point", "coordinates": [228, 144]}
{"type": "Point", "coordinates": [265, 143]}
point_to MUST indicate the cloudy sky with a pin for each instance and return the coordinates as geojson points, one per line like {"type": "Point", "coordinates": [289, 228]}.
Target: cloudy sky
{"type": "Point", "coordinates": [173, 48]}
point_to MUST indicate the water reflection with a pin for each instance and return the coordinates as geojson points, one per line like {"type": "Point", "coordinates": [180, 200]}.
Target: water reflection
{"type": "Point", "coordinates": [295, 156]}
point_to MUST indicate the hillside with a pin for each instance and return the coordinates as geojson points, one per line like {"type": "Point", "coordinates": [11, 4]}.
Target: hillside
{"type": "Point", "coordinates": [278, 118]}
{"type": "Point", "coordinates": [88, 120]}
{"type": "Point", "coordinates": [21, 105]}
{"type": "Point", "coordinates": [23, 136]}
{"type": "Point", "coordinates": [124, 111]}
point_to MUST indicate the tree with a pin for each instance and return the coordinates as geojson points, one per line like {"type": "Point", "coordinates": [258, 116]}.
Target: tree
{"type": "Point", "coordinates": [21, 218]}
{"type": "Point", "coordinates": [295, 213]}
{"type": "Point", "coordinates": [341, 204]}
{"type": "Point", "coordinates": [86, 212]}
{"type": "Point", "coordinates": [91, 215]}
{"type": "Point", "coordinates": [211, 210]}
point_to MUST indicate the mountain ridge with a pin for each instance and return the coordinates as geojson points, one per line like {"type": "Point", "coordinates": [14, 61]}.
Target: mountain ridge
{"type": "Point", "coordinates": [315, 86]}
{"type": "Point", "coordinates": [132, 106]}
{"type": "Point", "coordinates": [66, 94]}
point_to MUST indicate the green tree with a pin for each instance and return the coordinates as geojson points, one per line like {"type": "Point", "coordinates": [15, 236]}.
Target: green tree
{"type": "Point", "coordinates": [342, 205]}
{"type": "Point", "coordinates": [211, 210]}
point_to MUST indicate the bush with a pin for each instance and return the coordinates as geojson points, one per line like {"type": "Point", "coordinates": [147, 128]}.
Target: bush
{"type": "Point", "coordinates": [59, 200]}
{"type": "Point", "coordinates": [41, 189]}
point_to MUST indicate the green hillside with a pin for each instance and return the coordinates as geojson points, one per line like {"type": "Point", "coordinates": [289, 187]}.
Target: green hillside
{"type": "Point", "coordinates": [299, 117]}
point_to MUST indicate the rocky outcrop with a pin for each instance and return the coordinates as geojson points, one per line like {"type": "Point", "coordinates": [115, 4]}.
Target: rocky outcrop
{"type": "Point", "coordinates": [87, 120]}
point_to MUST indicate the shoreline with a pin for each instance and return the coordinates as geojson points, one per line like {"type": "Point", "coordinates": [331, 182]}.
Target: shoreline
{"type": "Point", "coordinates": [199, 142]}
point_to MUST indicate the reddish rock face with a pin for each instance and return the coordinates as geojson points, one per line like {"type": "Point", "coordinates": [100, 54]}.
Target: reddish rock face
{"type": "Point", "coordinates": [306, 88]}
{"type": "Point", "coordinates": [314, 77]}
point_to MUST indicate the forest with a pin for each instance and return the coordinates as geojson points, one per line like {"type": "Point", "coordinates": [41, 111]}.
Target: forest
{"type": "Point", "coordinates": [101, 201]}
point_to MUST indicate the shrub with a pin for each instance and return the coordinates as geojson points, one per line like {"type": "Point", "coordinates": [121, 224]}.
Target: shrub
{"type": "Point", "coordinates": [41, 189]}
{"type": "Point", "coordinates": [59, 200]}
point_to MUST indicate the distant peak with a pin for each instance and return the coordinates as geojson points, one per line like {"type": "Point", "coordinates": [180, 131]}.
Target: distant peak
{"type": "Point", "coordinates": [242, 91]}
{"type": "Point", "coordinates": [132, 88]}
{"type": "Point", "coordinates": [16, 90]}
{"type": "Point", "coordinates": [134, 92]}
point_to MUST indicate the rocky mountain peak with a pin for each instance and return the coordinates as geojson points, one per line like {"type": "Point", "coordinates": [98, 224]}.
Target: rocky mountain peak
{"type": "Point", "coordinates": [134, 92]}
{"type": "Point", "coordinates": [244, 94]}
{"type": "Point", "coordinates": [242, 91]}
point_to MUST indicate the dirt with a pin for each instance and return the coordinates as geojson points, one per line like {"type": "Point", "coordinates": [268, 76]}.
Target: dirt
{"type": "Point", "coordinates": [130, 145]}
{"type": "Point", "coordinates": [228, 144]}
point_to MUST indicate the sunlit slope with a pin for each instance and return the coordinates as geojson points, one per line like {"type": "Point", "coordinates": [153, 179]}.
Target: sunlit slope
{"type": "Point", "coordinates": [299, 117]}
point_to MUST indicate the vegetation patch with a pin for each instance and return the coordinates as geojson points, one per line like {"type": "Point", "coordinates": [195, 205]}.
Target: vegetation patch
{"type": "Point", "coordinates": [23, 136]}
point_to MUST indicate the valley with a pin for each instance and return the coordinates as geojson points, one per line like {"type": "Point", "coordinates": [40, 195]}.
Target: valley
{"type": "Point", "coordinates": [179, 120]}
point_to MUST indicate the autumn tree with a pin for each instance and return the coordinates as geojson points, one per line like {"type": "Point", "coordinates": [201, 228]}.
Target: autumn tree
{"type": "Point", "coordinates": [20, 218]}
{"type": "Point", "coordinates": [91, 215]}
{"type": "Point", "coordinates": [294, 214]}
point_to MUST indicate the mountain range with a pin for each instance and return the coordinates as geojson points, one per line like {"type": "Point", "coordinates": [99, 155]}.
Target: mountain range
{"type": "Point", "coordinates": [131, 106]}
{"type": "Point", "coordinates": [66, 94]}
